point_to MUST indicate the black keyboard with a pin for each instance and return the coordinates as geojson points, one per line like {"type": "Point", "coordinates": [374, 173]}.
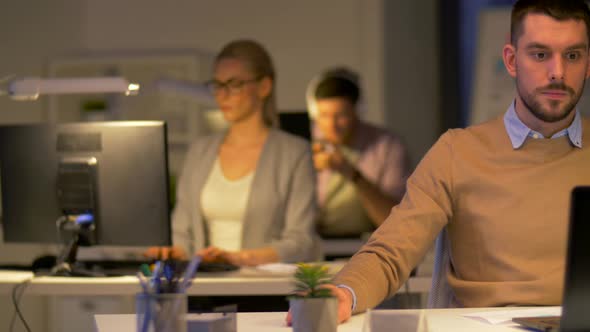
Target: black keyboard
{"type": "Point", "coordinates": [217, 267]}
{"type": "Point", "coordinates": [119, 267]}
{"type": "Point", "coordinates": [114, 267]}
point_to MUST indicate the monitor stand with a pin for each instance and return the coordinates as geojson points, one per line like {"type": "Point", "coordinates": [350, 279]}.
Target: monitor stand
{"type": "Point", "coordinates": [67, 267]}
{"type": "Point", "coordinates": [79, 231]}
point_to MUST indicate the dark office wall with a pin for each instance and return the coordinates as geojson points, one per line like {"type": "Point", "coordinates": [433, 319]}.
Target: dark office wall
{"type": "Point", "coordinates": [31, 32]}
{"type": "Point", "coordinates": [457, 40]}
{"type": "Point", "coordinates": [450, 59]}
{"type": "Point", "coordinates": [411, 80]}
{"type": "Point", "coordinates": [304, 37]}
{"type": "Point", "coordinates": [463, 17]}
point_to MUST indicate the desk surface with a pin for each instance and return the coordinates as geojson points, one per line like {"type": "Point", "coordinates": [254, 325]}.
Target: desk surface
{"type": "Point", "coordinates": [440, 320]}
{"type": "Point", "coordinates": [246, 281]}
{"type": "Point", "coordinates": [247, 322]}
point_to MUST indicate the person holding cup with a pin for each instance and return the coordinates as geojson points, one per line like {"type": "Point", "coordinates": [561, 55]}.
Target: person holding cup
{"type": "Point", "coordinates": [362, 169]}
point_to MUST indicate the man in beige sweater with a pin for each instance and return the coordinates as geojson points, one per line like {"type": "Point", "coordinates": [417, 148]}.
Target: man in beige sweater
{"type": "Point", "coordinates": [501, 189]}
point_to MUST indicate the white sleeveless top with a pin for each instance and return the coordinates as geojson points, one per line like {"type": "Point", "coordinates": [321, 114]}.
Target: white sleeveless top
{"type": "Point", "coordinates": [223, 203]}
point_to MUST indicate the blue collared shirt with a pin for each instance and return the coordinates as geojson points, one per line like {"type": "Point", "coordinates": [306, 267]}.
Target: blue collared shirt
{"type": "Point", "coordinates": [518, 131]}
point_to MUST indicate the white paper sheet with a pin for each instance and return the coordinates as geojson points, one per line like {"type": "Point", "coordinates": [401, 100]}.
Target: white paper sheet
{"type": "Point", "coordinates": [505, 316]}
{"type": "Point", "coordinates": [278, 268]}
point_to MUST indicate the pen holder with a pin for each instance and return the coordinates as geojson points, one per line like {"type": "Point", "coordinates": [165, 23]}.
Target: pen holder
{"type": "Point", "coordinates": [164, 312]}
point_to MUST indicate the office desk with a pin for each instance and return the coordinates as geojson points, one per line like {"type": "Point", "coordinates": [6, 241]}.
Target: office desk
{"type": "Point", "coordinates": [439, 320]}
{"type": "Point", "coordinates": [247, 322]}
{"type": "Point", "coordinates": [55, 300]}
{"type": "Point", "coordinates": [247, 281]}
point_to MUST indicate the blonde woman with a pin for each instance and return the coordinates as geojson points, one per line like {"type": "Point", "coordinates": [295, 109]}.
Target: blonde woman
{"type": "Point", "coordinates": [246, 196]}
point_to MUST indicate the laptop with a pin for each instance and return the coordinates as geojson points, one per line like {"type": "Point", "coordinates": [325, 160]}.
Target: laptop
{"type": "Point", "coordinates": [576, 293]}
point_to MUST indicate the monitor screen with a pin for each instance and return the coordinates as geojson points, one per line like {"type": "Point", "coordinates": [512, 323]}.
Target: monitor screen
{"type": "Point", "coordinates": [296, 123]}
{"type": "Point", "coordinates": [576, 296]}
{"type": "Point", "coordinates": [114, 171]}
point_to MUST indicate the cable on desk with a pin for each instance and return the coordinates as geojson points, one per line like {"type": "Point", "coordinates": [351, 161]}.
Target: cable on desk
{"type": "Point", "coordinates": [17, 292]}
{"type": "Point", "coordinates": [407, 295]}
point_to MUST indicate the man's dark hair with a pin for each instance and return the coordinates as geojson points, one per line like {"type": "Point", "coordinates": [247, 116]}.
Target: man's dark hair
{"type": "Point", "coordinates": [339, 83]}
{"type": "Point", "coordinates": [560, 10]}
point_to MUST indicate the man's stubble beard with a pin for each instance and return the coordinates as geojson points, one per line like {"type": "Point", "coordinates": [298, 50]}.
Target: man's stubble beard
{"type": "Point", "coordinates": [532, 103]}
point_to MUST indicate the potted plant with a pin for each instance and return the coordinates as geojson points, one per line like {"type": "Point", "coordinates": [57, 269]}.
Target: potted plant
{"type": "Point", "coordinates": [94, 110]}
{"type": "Point", "coordinates": [313, 308]}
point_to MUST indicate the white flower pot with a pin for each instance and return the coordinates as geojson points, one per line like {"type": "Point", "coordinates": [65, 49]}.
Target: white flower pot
{"type": "Point", "coordinates": [314, 314]}
{"type": "Point", "coordinates": [95, 116]}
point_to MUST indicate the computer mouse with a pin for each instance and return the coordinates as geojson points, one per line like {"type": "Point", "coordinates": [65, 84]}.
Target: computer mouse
{"type": "Point", "coordinates": [43, 263]}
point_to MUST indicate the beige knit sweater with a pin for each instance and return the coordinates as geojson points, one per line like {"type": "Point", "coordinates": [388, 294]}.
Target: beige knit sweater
{"type": "Point", "coordinates": [506, 212]}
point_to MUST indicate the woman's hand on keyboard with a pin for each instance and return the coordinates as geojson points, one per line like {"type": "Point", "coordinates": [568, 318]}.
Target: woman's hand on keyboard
{"type": "Point", "coordinates": [161, 253]}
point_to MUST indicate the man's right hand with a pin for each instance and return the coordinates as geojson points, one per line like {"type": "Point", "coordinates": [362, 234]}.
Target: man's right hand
{"type": "Point", "coordinates": [344, 304]}
{"type": "Point", "coordinates": [321, 157]}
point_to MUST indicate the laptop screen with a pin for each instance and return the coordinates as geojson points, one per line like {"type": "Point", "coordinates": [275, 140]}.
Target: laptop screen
{"type": "Point", "coordinates": [576, 300]}
{"type": "Point", "coordinates": [576, 295]}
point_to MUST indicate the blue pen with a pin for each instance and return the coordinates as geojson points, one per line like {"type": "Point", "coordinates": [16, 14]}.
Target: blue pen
{"type": "Point", "coordinates": [169, 274]}
{"type": "Point", "coordinates": [156, 275]}
{"type": "Point", "coordinates": [147, 318]}
{"type": "Point", "coordinates": [187, 278]}
{"type": "Point", "coordinates": [143, 282]}
{"type": "Point", "coordinates": [147, 294]}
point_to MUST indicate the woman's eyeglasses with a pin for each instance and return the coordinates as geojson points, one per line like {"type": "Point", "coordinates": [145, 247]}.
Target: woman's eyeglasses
{"type": "Point", "coordinates": [231, 87]}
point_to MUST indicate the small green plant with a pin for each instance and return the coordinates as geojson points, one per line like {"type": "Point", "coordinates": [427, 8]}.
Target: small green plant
{"type": "Point", "coordinates": [94, 105]}
{"type": "Point", "coordinates": [309, 279]}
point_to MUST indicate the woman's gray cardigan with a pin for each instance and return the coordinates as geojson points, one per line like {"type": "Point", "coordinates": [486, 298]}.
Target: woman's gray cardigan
{"type": "Point", "coordinates": [281, 209]}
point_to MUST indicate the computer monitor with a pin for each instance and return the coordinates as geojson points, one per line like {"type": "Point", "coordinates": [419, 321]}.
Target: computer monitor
{"type": "Point", "coordinates": [114, 172]}
{"type": "Point", "coordinates": [296, 123]}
